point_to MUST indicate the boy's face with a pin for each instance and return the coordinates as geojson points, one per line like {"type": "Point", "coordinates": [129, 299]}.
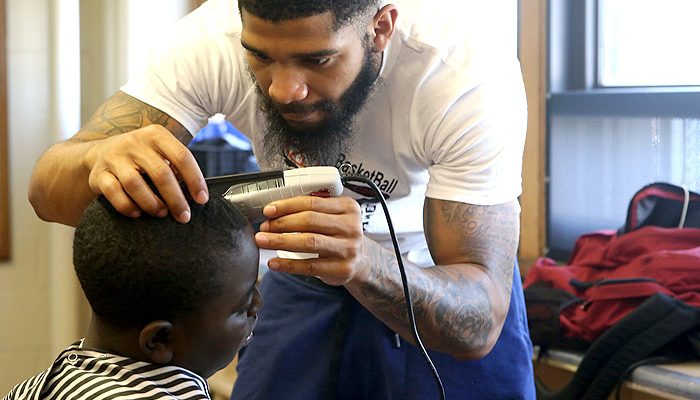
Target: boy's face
{"type": "Point", "coordinates": [207, 341]}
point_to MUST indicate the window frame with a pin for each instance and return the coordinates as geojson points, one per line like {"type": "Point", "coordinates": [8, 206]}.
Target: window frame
{"type": "Point", "coordinates": [573, 89]}
{"type": "Point", "coordinates": [4, 154]}
{"type": "Point", "coordinates": [573, 57]}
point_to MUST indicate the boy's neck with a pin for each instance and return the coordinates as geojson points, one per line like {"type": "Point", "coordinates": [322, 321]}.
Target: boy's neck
{"type": "Point", "coordinates": [105, 338]}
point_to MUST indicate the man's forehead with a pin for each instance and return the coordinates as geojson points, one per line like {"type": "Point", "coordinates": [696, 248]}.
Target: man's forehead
{"type": "Point", "coordinates": [318, 24]}
{"type": "Point", "coordinates": [308, 34]}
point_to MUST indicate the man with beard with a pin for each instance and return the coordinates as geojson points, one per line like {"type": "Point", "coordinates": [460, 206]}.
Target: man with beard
{"type": "Point", "coordinates": [394, 92]}
{"type": "Point", "coordinates": [324, 141]}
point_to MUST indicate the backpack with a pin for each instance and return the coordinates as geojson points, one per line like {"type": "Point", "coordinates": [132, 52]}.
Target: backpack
{"type": "Point", "coordinates": [624, 295]}
{"type": "Point", "coordinates": [662, 204]}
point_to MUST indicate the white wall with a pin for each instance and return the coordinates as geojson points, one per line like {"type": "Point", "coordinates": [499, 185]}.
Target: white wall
{"type": "Point", "coordinates": [41, 307]}
{"type": "Point", "coordinates": [28, 315]}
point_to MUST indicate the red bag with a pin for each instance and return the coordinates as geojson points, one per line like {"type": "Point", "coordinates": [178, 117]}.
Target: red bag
{"type": "Point", "coordinates": [611, 275]}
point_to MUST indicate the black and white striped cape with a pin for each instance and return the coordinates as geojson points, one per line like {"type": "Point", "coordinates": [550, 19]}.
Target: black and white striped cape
{"type": "Point", "coordinates": [85, 374]}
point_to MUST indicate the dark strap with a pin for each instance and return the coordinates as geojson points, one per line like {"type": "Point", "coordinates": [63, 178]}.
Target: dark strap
{"type": "Point", "coordinates": [339, 334]}
{"type": "Point", "coordinates": [650, 327]}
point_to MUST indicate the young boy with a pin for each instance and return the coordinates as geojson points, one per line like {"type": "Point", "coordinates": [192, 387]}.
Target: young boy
{"type": "Point", "coordinates": [171, 304]}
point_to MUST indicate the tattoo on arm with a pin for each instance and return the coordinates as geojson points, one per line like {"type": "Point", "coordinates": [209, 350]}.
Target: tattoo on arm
{"type": "Point", "coordinates": [446, 304]}
{"type": "Point", "coordinates": [485, 235]}
{"type": "Point", "coordinates": [452, 302]}
{"type": "Point", "coordinates": [122, 113]}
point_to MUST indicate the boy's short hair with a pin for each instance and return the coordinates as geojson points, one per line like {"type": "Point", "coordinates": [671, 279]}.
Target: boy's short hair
{"type": "Point", "coordinates": [137, 270]}
{"type": "Point", "coordinates": [344, 11]}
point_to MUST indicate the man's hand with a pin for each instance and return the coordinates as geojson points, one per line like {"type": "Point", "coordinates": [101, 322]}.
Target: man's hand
{"type": "Point", "coordinates": [123, 141]}
{"type": "Point", "coordinates": [117, 166]}
{"type": "Point", "coordinates": [329, 227]}
{"type": "Point", "coordinates": [460, 304]}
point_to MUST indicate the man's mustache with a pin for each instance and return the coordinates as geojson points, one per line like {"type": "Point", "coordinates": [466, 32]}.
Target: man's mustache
{"type": "Point", "coordinates": [302, 108]}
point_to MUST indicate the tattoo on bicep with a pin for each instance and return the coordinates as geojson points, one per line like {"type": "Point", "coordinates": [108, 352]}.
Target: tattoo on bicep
{"type": "Point", "coordinates": [488, 236]}
{"type": "Point", "coordinates": [157, 117]}
{"type": "Point", "coordinates": [116, 116]}
{"type": "Point", "coordinates": [122, 113]}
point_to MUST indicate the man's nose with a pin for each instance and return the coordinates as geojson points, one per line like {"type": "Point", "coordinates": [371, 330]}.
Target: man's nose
{"type": "Point", "coordinates": [287, 86]}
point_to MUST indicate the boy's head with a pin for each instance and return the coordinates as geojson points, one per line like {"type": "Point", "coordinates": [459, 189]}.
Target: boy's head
{"type": "Point", "coordinates": [165, 292]}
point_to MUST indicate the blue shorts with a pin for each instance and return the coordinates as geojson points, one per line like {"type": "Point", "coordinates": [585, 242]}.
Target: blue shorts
{"type": "Point", "coordinates": [317, 342]}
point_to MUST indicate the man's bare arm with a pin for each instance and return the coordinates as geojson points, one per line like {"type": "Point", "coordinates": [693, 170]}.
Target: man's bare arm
{"type": "Point", "coordinates": [122, 113]}
{"type": "Point", "coordinates": [124, 139]}
{"type": "Point", "coordinates": [461, 303]}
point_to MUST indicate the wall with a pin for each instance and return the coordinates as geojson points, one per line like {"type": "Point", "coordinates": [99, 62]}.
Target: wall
{"type": "Point", "coordinates": [37, 297]}
{"type": "Point", "coordinates": [51, 47]}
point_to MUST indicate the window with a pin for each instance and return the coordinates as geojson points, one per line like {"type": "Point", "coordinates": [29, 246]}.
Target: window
{"type": "Point", "coordinates": [648, 42]}
{"type": "Point", "coordinates": [622, 109]}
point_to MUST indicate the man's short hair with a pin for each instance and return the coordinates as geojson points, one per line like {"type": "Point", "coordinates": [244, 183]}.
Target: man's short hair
{"type": "Point", "coordinates": [137, 270]}
{"type": "Point", "coordinates": [344, 11]}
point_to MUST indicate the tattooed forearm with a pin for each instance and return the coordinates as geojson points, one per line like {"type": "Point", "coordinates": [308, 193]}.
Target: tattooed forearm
{"type": "Point", "coordinates": [460, 304]}
{"type": "Point", "coordinates": [462, 308]}
{"type": "Point", "coordinates": [385, 296]}
{"type": "Point", "coordinates": [122, 113]}
{"type": "Point", "coordinates": [448, 306]}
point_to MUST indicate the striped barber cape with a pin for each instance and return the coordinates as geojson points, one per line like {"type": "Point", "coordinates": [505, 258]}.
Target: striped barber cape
{"type": "Point", "coordinates": [79, 374]}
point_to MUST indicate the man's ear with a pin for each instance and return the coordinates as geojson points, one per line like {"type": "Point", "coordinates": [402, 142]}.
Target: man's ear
{"type": "Point", "coordinates": [382, 27]}
{"type": "Point", "coordinates": [156, 341]}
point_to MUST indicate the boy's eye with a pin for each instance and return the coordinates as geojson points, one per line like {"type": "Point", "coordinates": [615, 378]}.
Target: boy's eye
{"type": "Point", "coordinates": [242, 311]}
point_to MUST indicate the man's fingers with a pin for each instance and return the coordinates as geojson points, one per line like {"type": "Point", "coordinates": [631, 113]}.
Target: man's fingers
{"type": "Point", "coordinates": [136, 187]}
{"type": "Point", "coordinates": [297, 242]}
{"type": "Point", "coordinates": [165, 181]}
{"type": "Point", "coordinates": [311, 221]}
{"type": "Point", "coordinates": [332, 205]}
{"type": "Point", "coordinates": [325, 246]}
{"type": "Point", "coordinates": [182, 162]}
{"type": "Point", "coordinates": [113, 191]}
{"type": "Point", "coordinates": [339, 216]}
{"type": "Point", "coordinates": [331, 271]}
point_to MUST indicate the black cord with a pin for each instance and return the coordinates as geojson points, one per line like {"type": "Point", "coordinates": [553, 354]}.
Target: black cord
{"type": "Point", "coordinates": [404, 280]}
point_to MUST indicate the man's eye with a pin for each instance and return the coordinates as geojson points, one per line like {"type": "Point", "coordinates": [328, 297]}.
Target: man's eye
{"type": "Point", "coordinates": [261, 57]}
{"type": "Point", "coordinates": [317, 61]}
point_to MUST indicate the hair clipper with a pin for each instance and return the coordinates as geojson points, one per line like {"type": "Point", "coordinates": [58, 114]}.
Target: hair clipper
{"type": "Point", "coordinates": [251, 192]}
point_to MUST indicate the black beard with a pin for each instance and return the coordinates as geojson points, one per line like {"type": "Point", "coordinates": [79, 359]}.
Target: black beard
{"type": "Point", "coordinates": [321, 144]}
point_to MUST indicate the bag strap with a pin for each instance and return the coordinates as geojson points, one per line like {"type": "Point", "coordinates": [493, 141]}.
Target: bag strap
{"type": "Point", "coordinates": [686, 203]}
{"type": "Point", "coordinates": [621, 288]}
{"type": "Point", "coordinates": [654, 324]}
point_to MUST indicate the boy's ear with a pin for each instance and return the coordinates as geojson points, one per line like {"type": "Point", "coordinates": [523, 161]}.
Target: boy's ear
{"type": "Point", "coordinates": [156, 341]}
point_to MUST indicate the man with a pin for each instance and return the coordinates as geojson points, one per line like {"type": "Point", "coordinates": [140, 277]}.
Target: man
{"type": "Point", "coordinates": [168, 310]}
{"type": "Point", "coordinates": [410, 103]}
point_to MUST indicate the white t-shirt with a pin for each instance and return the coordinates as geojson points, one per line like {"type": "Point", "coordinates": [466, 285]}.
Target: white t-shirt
{"type": "Point", "coordinates": [448, 121]}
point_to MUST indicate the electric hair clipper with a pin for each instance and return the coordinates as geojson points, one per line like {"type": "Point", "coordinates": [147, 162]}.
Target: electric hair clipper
{"type": "Point", "coordinates": [253, 191]}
